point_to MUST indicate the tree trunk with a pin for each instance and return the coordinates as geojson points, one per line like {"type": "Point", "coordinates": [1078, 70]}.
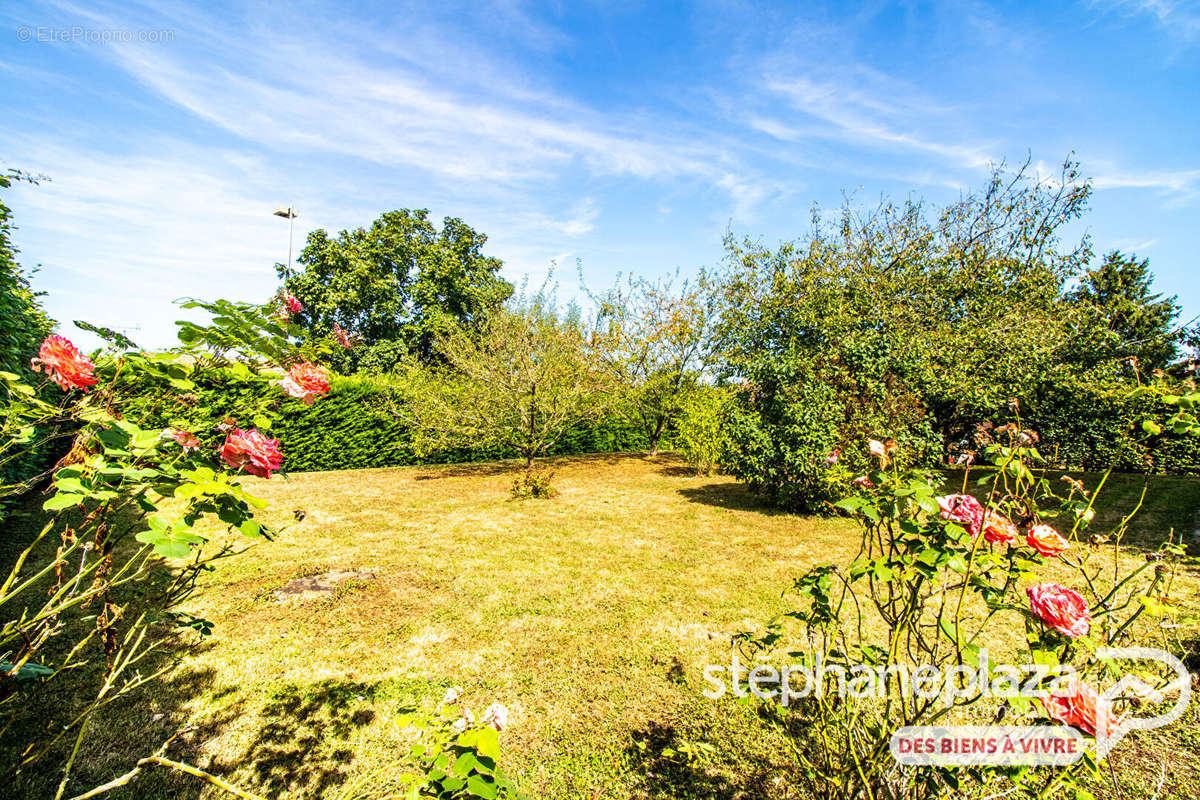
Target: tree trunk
{"type": "Point", "coordinates": [656, 435]}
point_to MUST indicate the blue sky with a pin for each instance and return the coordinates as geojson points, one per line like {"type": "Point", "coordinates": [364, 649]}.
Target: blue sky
{"type": "Point", "coordinates": [629, 135]}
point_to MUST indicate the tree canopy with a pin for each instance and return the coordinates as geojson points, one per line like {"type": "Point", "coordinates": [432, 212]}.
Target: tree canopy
{"type": "Point", "coordinates": [521, 381]}
{"type": "Point", "coordinates": [1139, 321]}
{"type": "Point", "coordinates": [395, 286]}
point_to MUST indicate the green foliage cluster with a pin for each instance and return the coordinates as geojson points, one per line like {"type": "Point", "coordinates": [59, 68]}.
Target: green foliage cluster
{"type": "Point", "coordinates": [918, 326]}
{"type": "Point", "coordinates": [702, 434]}
{"type": "Point", "coordinates": [1104, 426]}
{"type": "Point", "coordinates": [23, 325]}
{"type": "Point", "coordinates": [532, 486]}
{"type": "Point", "coordinates": [394, 287]}
{"type": "Point", "coordinates": [355, 426]}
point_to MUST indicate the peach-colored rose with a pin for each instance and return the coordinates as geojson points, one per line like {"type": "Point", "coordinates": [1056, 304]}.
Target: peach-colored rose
{"type": "Point", "coordinates": [963, 509]}
{"type": "Point", "coordinates": [1080, 706]}
{"type": "Point", "coordinates": [1046, 540]}
{"type": "Point", "coordinates": [65, 365]}
{"type": "Point", "coordinates": [1060, 608]}
{"type": "Point", "coordinates": [998, 529]}
{"type": "Point", "coordinates": [250, 449]}
{"type": "Point", "coordinates": [306, 382]}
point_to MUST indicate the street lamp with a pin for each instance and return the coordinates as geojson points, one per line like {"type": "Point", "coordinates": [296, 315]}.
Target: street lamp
{"type": "Point", "coordinates": [289, 213]}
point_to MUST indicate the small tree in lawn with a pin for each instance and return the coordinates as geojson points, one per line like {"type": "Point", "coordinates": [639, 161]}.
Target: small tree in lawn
{"type": "Point", "coordinates": [521, 383]}
{"type": "Point", "coordinates": [659, 337]}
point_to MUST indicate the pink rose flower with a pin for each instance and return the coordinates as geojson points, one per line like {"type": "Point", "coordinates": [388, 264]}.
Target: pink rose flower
{"type": "Point", "coordinates": [1080, 707]}
{"type": "Point", "coordinates": [65, 365]}
{"type": "Point", "coordinates": [343, 336]}
{"type": "Point", "coordinates": [998, 529]}
{"type": "Point", "coordinates": [1046, 540]}
{"type": "Point", "coordinates": [186, 439]}
{"type": "Point", "coordinates": [1060, 608]}
{"type": "Point", "coordinates": [306, 382]}
{"type": "Point", "coordinates": [250, 449]}
{"type": "Point", "coordinates": [833, 456]}
{"type": "Point", "coordinates": [963, 509]}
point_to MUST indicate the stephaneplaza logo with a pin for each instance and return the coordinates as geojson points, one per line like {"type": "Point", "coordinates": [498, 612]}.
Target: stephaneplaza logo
{"type": "Point", "coordinates": [1056, 687]}
{"type": "Point", "coordinates": [78, 33]}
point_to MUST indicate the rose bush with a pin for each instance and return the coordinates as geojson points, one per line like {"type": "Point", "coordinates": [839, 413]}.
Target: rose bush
{"type": "Point", "coordinates": [98, 595]}
{"type": "Point", "coordinates": [948, 581]}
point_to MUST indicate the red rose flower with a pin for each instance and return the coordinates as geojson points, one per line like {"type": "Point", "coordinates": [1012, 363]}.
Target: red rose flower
{"type": "Point", "coordinates": [250, 449]}
{"type": "Point", "coordinates": [1046, 540]}
{"type": "Point", "coordinates": [963, 509]}
{"type": "Point", "coordinates": [293, 305]}
{"type": "Point", "coordinates": [1081, 707]}
{"type": "Point", "coordinates": [1061, 608]}
{"type": "Point", "coordinates": [306, 382]}
{"type": "Point", "coordinates": [186, 439]}
{"type": "Point", "coordinates": [998, 529]}
{"type": "Point", "coordinates": [65, 365]}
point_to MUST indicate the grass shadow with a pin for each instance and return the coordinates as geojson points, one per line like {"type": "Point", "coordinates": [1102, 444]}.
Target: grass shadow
{"type": "Point", "coordinates": [734, 496]}
{"type": "Point", "coordinates": [667, 766]}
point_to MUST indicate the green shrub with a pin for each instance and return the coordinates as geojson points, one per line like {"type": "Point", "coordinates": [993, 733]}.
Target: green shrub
{"type": "Point", "coordinates": [533, 486]}
{"type": "Point", "coordinates": [794, 412]}
{"type": "Point", "coordinates": [353, 427]}
{"type": "Point", "coordinates": [23, 326]}
{"type": "Point", "coordinates": [703, 428]}
{"type": "Point", "coordinates": [1098, 426]}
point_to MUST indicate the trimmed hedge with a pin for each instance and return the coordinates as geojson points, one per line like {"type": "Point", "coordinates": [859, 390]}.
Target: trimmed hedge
{"type": "Point", "coordinates": [1097, 427]}
{"type": "Point", "coordinates": [352, 427]}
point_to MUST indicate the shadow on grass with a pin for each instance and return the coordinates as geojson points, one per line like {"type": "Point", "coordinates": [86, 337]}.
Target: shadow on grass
{"type": "Point", "coordinates": [301, 747]}
{"type": "Point", "coordinates": [734, 496]}
{"type": "Point", "coordinates": [660, 758]}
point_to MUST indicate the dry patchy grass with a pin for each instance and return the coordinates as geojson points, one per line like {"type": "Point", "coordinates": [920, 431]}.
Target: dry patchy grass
{"type": "Point", "coordinates": [590, 615]}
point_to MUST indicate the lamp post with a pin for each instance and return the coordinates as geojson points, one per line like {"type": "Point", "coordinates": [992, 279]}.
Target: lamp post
{"type": "Point", "coordinates": [289, 213]}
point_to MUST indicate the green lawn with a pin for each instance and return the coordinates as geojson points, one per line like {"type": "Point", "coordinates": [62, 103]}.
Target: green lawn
{"type": "Point", "coordinates": [590, 615]}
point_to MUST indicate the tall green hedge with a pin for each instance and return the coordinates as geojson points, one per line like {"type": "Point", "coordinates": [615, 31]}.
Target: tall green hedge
{"type": "Point", "coordinates": [1095, 427]}
{"type": "Point", "coordinates": [350, 428]}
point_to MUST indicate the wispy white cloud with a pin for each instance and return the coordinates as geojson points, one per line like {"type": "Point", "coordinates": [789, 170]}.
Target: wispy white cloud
{"type": "Point", "coordinates": [1182, 182]}
{"type": "Point", "coordinates": [882, 117]}
{"type": "Point", "coordinates": [1179, 19]}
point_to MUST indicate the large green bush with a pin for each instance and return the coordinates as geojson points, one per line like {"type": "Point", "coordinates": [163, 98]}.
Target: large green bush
{"type": "Point", "coordinates": [353, 427]}
{"type": "Point", "coordinates": [795, 411]}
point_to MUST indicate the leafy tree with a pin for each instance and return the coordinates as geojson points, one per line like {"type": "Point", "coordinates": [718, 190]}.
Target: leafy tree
{"type": "Point", "coordinates": [1119, 290]}
{"type": "Point", "coordinates": [395, 286]}
{"type": "Point", "coordinates": [900, 323]}
{"type": "Point", "coordinates": [521, 382]}
{"type": "Point", "coordinates": [659, 338]}
{"type": "Point", "coordinates": [25, 324]}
